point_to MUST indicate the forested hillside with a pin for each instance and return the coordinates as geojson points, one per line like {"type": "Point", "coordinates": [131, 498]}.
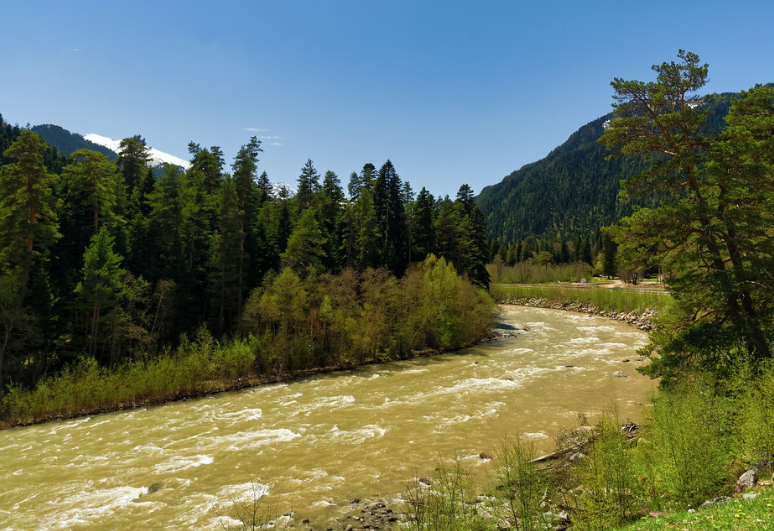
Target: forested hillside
{"type": "Point", "coordinates": [570, 193]}
{"type": "Point", "coordinates": [68, 142]}
{"type": "Point", "coordinates": [103, 258]}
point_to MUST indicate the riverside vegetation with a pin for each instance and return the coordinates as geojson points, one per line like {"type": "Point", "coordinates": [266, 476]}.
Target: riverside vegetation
{"type": "Point", "coordinates": [122, 285]}
{"type": "Point", "coordinates": [707, 226]}
{"type": "Point", "coordinates": [292, 325]}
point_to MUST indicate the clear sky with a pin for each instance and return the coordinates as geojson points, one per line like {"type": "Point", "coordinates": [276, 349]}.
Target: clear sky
{"type": "Point", "coordinates": [452, 92]}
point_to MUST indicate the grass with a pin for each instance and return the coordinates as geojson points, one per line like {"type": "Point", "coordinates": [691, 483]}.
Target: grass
{"type": "Point", "coordinates": [606, 299]}
{"type": "Point", "coordinates": [736, 515]}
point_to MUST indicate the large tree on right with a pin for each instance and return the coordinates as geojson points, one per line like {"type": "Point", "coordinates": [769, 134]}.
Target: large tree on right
{"type": "Point", "coordinates": [713, 227]}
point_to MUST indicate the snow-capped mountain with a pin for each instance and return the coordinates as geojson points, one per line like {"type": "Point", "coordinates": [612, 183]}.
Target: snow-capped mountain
{"type": "Point", "coordinates": [277, 188]}
{"type": "Point", "coordinates": [157, 157]}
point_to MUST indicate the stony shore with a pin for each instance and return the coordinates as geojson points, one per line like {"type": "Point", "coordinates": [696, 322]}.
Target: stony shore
{"type": "Point", "coordinates": [642, 320]}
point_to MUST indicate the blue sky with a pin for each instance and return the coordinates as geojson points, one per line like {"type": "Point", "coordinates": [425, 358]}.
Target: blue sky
{"type": "Point", "coordinates": [452, 92]}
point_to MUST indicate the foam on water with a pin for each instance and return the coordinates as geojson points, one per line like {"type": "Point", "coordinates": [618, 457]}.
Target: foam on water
{"type": "Point", "coordinates": [253, 439]}
{"type": "Point", "coordinates": [240, 416]}
{"type": "Point", "coordinates": [92, 506]}
{"type": "Point", "coordinates": [178, 463]}
{"type": "Point", "coordinates": [244, 492]}
{"type": "Point", "coordinates": [359, 435]}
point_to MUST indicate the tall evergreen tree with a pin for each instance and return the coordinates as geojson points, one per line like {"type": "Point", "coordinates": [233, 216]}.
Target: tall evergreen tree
{"type": "Point", "coordinates": [100, 286]}
{"type": "Point", "coordinates": [28, 217]}
{"type": "Point", "coordinates": [250, 199]}
{"type": "Point", "coordinates": [306, 245]}
{"type": "Point", "coordinates": [391, 219]}
{"type": "Point", "coordinates": [422, 225]}
{"type": "Point", "coordinates": [713, 224]}
{"type": "Point", "coordinates": [133, 160]}
{"type": "Point", "coordinates": [308, 186]}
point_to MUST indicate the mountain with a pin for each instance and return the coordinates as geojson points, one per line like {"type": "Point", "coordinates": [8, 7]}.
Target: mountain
{"type": "Point", "coordinates": [280, 189]}
{"type": "Point", "coordinates": [158, 158]}
{"type": "Point", "coordinates": [67, 142]}
{"type": "Point", "coordinates": [570, 192]}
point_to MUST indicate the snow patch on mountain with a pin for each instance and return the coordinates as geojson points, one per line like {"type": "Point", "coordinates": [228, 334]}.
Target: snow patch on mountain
{"type": "Point", "coordinates": [278, 187]}
{"type": "Point", "coordinates": [157, 157]}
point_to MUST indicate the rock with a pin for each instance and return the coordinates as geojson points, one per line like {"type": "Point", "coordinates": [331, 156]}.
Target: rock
{"type": "Point", "coordinates": [716, 501]}
{"type": "Point", "coordinates": [619, 374]}
{"type": "Point", "coordinates": [747, 480]}
{"type": "Point", "coordinates": [155, 488]}
{"type": "Point", "coordinates": [763, 464]}
{"type": "Point", "coordinates": [484, 455]}
{"type": "Point", "coordinates": [750, 495]}
{"type": "Point", "coordinates": [577, 456]}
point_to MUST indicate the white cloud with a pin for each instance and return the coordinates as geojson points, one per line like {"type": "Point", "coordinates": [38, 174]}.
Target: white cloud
{"type": "Point", "coordinates": [255, 130]}
{"type": "Point", "coordinates": [73, 50]}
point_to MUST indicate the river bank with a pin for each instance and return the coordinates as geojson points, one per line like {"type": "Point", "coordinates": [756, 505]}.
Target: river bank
{"type": "Point", "coordinates": [213, 387]}
{"type": "Point", "coordinates": [316, 444]}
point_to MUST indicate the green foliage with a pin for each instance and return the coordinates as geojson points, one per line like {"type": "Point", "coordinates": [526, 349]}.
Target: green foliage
{"type": "Point", "coordinates": [737, 515]}
{"type": "Point", "coordinates": [685, 450]}
{"type": "Point", "coordinates": [520, 484]}
{"type": "Point", "coordinates": [532, 272]}
{"type": "Point", "coordinates": [608, 299]}
{"type": "Point", "coordinates": [750, 387]}
{"type": "Point", "coordinates": [449, 504]}
{"type": "Point", "coordinates": [28, 218]}
{"type": "Point", "coordinates": [712, 227]}
{"type": "Point", "coordinates": [608, 490]}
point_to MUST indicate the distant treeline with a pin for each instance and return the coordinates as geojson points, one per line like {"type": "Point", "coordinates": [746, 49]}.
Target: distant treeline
{"type": "Point", "coordinates": [109, 260]}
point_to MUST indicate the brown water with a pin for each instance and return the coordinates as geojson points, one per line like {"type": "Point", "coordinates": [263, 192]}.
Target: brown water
{"type": "Point", "coordinates": [313, 445]}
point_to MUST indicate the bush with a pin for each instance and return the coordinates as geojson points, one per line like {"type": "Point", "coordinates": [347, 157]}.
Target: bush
{"type": "Point", "coordinates": [449, 504]}
{"type": "Point", "coordinates": [520, 485]}
{"type": "Point", "coordinates": [685, 449]}
{"type": "Point", "coordinates": [607, 489]}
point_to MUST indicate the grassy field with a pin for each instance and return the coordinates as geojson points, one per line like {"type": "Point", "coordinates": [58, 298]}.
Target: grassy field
{"type": "Point", "coordinates": [736, 515]}
{"type": "Point", "coordinates": [602, 298]}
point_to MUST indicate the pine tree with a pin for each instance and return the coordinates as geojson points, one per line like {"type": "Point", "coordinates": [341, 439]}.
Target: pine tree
{"type": "Point", "coordinates": [422, 225]}
{"type": "Point", "coordinates": [306, 245]}
{"type": "Point", "coordinates": [101, 284]}
{"type": "Point", "coordinates": [391, 219]}
{"type": "Point", "coordinates": [227, 260]}
{"type": "Point", "coordinates": [133, 160]}
{"type": "Point", "coordinates": [308, 186]}
{"type": "Point", "coordinates": [97, 178]}
{"type": "Point", "coordinates": [28, 217]}
{"type": "Point", "coordinates": [250, 198]}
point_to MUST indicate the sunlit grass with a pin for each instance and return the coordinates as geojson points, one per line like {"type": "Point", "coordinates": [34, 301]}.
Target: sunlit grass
{"type": "Point", "coordinates": [607, 299]}
{"type": "Point", "coordinates": [736, 515]}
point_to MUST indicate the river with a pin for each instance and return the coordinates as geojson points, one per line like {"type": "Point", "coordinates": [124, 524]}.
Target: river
{"type": "Point", "coordinates": [313, 445]}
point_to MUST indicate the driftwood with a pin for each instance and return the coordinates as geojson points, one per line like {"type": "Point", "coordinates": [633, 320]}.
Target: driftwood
{"type": "Point", "coordinates": [559, 453]}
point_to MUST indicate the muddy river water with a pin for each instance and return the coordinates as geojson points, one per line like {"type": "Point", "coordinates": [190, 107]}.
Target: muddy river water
{"type": "Point", "coordinates": [312, 445]}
